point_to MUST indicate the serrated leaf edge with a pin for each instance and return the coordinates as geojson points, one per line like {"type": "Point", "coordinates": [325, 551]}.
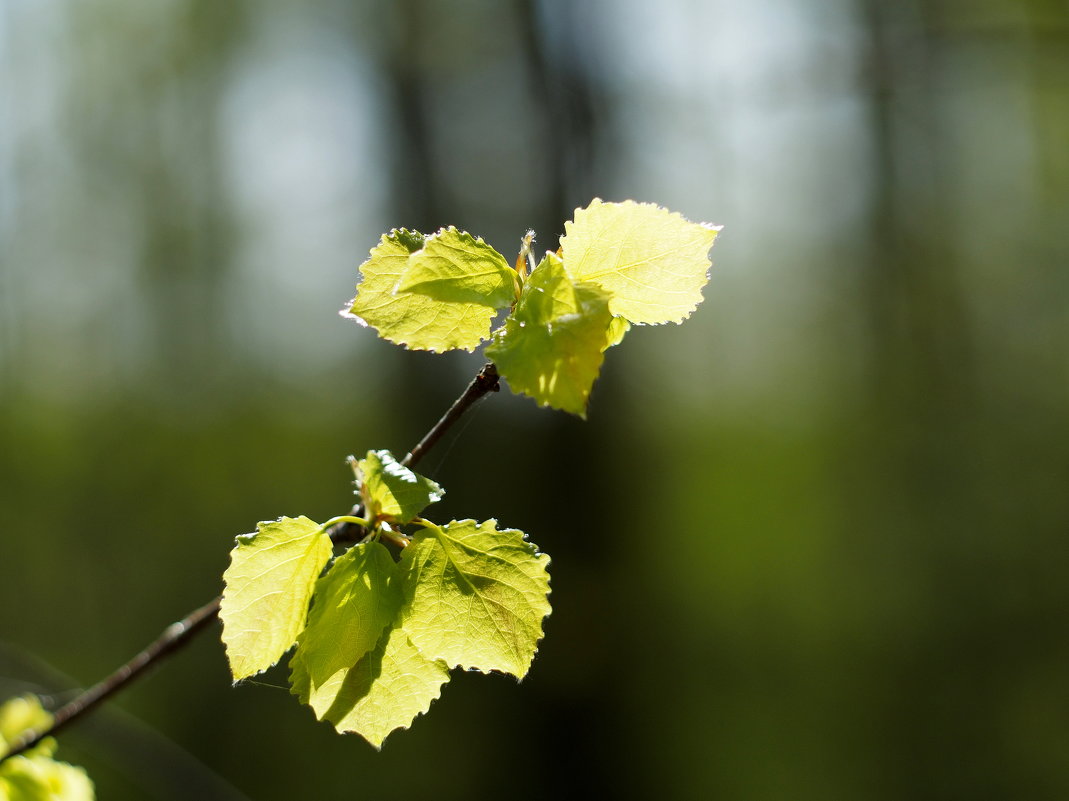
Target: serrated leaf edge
{"type": "Point", "coordinates": [709, 226]}
{"type": "Point", "coordinates": [404, 727]}
{"type": "Point", "coordinates": [464, 236]}
{"type": "Point", "coordinates": [222, 599]}
{"type": "Point", "coordinates": [397, 233]}
{"type": "Point", "coordinates": [542, 620]}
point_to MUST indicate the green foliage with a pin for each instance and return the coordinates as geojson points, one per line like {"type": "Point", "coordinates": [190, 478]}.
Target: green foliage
{"type": "Point", "coordinates": [382, 634]}
{"type": "Point", "coordinates": [454, 267]}
{"type": "Point", "coordinates": [390, 491]}
{"type": "Point", "coordinates": [268, 584]}
{"type": "Point", "coordinates": [475, 596]}
{"type": "Point", "coordinates": [414, 318]}
{"type": "Point", "coordinates": [618, 264]}
{"type": "Point", "coordinates": [354, 663]}
{"type": "Point", "coordinates": [553, 344]}
{"type": "Point", "coordinates": [35, 775]}
{"type": "Point", "coordinates": [376, 636]}
{"type": "Point", "coordinates": [653, 262]}
{"type": "Point", "coordinates": [19, 715]}
{"type": "Point", "coordinates": [377, 645]}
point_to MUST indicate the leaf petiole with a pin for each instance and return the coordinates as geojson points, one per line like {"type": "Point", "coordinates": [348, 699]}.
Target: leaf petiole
{"type": "Point", "coordinates": [396, 537]}
{"type": "Point", "coordinates": [356, 521]}
{"type": "Point", "coordinates": [419, 521]}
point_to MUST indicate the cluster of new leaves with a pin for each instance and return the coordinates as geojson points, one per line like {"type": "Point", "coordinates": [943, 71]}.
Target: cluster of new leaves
{"type": "Point", "coordinates": [375, 635]}
{"type": "Point", "coordinates": [35, 775]}
{"type": "Point", "coordinates": [618, 264]}
{"type": "Point", "coordinates": [382, 634]}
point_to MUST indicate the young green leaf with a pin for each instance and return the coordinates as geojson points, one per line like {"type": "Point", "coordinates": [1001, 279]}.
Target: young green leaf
{"type": "Point", "coordinates": [475, 596]}
{"type": "Point", "coordinates": [618, 326]}
{"type": "Point", "coordinates": [384, 691]}
{"type": "Point", "coordinates": [455, 267]}
{"type": "Point", "coordinates": [553, 344]}
{"type": "Point", "coordinates": [268, 585]}
{"type": "Point", "coordinates": [352, 605]}
{"type": "Point", "coordinates": [415, 320]}
{"type": "Point", "coordinates": [40, 778]}
{"type": "Point", "coordinates": [354, 665]}
{"type": "Point", "coordinates": [19, 715]}
{"type": "Point", "coordinates": [391, 491]}
{"type": "Point", "coordinates": [653, 261]}
{"type": "Point", "coordinates": [35, 775]}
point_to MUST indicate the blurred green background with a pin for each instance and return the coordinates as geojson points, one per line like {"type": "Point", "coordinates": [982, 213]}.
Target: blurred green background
{"type": "Point", "coordinates": [813, 544]}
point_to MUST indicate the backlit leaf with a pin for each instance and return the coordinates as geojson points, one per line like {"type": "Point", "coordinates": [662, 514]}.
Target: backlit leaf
{"type": "Point", "coordinates": [268, 584]}
{"type": "Point", "coordinates": [21, 714]}
{"type": "Point", "coordinates": [652, 261]}
{"type": "Point", "coordinates": [617, 328]}
{"type": "Point", "coordinates": [42, 779]}
{"type": "Point", "coordinates": [34, 775]}
{"type": "Point", "coordinates": [553, 344]}
{"type": "Point", "coordinates": [354, 602]}
{"type": "Point", "coordinates": [475, 596]}
{"type": "Point", "coordinates": [391, 491]}
{"type": "Point", "coordinates": [384, 691]}
{"type": "Point", "coordinates": [455, 267]}
{"type": "Point", "coordinates": [354, 664]}
{"type": "Point", "coordinates": [415, 320]}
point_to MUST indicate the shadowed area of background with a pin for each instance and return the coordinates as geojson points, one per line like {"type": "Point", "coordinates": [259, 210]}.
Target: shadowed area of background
{"type": "Point", "coordinates": [812, 544]}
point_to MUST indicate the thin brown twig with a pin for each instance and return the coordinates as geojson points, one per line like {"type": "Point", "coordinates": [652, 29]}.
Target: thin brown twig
{"type": "Point", "coordinates": [486, 381]}
{"type": "Point", "coordinates": [173, 637]}
{"type": "Point", "coordinates": [178, 634]}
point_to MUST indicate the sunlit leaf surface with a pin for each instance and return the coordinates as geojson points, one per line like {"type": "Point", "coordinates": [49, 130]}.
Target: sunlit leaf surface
{"type": "Point", "coordinates": [652, 261]}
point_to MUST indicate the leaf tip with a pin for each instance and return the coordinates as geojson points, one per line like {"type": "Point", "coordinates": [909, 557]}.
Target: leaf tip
{"type": "Point", "coordinates": [348, 313]}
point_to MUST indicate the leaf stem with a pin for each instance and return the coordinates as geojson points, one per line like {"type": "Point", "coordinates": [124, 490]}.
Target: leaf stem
{"type": "Point", "coordinates": [398, 539]}
{"type": "Point", "coordinates": [486, 381]}
{"type": "Point", "coordinates": [419, 521]}
{"type": "Point", "coordinates": [353, 519]}
{"type": "Point", "coordinates": [173, 637]}
{"type": "Point", "coordinates": [179, 634]}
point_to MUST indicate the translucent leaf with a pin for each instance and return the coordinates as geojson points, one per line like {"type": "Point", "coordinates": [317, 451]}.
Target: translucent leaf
{"type": "Point", "coordinates": [553, 344]}
{"type": "Point", "coordinates": [42, 779]}
{"type": "Point", "coordinates": [35, 776]}
{"type": "Point", "coordinates": [455, 267]}
{"type": "Point", "coordinates": [268, 585]}
{"type": "Point", "coordinates": [19, 715]}
{"type": "Point", "coordinates": [354, 665]}
{"type": "Point", "coordinates": [384, 691]}
{"type": "Point", "coordinates": [354, 603]}
{"type": "Point", "coordinates": [653, 261]}
{"type": "Point", "coordinates": [392, 491]}
{"type": "Point", "coordinates": [617, 328]}
{"type": "Point", "coordinates": [475, 596]}
{"type": "Point", "coordinates": [408, 318]}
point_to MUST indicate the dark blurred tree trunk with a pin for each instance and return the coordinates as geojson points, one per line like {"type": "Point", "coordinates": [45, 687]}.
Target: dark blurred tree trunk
{"type": "Point", "coordinates": [572, 114]}
{"type": "Point", "coordinates": [566, 119]}
{"type": "Point", "coordinates": [921, 348]}
{"type": "Point", "coordinates": [922, 508]}
{"type": "Point", "coordinates": [417, 190]}
{"type": "Point", "coordinates": [188, 240]}
{"type": "Point", "coordinates": [562, 460]}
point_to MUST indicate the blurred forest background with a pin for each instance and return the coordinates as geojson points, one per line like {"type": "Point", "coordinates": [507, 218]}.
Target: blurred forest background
{"type": "Point", "coordinates": [810, 545]}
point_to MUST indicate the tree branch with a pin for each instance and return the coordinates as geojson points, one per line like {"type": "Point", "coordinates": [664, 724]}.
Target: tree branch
{"type": "Point", "coordinates": [173, 637]}
{"type": "Point", "coordinates": [486, 381]}
{"type": "Point", "coordinates": [178, 634]}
